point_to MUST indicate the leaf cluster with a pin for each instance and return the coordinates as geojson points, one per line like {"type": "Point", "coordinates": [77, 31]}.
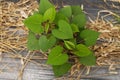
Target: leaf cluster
{"type": "Point", "coordinates": [62, 34]}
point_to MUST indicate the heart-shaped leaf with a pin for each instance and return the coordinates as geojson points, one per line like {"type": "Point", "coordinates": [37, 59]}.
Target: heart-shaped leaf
{"type": "Point", "coordinates": [44, 5]}
{"type": "Point", "coordinates": [82, 50]}
{"type": "Point", "coordinates": [66, 11]}
{"type": "Point", "coordinates": [69, 45]}
{"type": "Point", "coordinates": [80, 20]}
{"type": "Point", "coordinates": [56, 57]}
{"type": "Point", "coordinates": [34, 23]}
{"type": "Point", "coordinates": [76, 10]}
{"type": "Point", "coordinates": [88, 60]}
{"type": "Point", "coordinates": [45, 43]}
{"type": "Point", "coordinates": [60, 70]}
{"type": "Point", "coordinates": [89, 36]}
{"type": "Point", "coordinates": [60, 16]}
{"type": "Point", "coordinates": [49, 14]}
{"type": "Point", "coordinates": [32, 43]}
{"type": "Point", "coordinates": [64, 31]}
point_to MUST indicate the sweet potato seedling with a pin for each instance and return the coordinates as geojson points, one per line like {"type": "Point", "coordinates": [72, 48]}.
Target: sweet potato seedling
{"type": "Point", "coordinates": [62, 34]}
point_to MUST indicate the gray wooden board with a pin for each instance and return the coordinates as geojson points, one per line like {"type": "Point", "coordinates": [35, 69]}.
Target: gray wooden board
{"type": "Point", "coordinates": [91, 9]}
{"type": "Point", "coordinates": [35, 72]}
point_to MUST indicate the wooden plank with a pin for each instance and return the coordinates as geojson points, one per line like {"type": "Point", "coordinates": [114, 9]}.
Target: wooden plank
{"type": "Point", "coordinates": [10, 70]}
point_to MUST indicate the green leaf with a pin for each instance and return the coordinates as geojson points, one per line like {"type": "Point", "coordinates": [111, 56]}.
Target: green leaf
{"type": "Point", "coordinates": [69, 45]}
{"type": "Point", "coordinates": [34, 23]}
{"type": "Point", "coordinates": [88, 60]}
{"type": "Point", "coordinates": [60, 70]}
{"type": "Point", "coordinates": [49, 14]}
{"type": "Point", "coordinates": [76, 10]}
{"type": "Point", "coordinates": [35, 12]}
{"type": "Point", "coordinates": [66, 11]}
{"type": "Point", "coordinates": [118, 20]}
{"type": "Point", "coordinates": [32, 43]}
{"type": "Point", "coordinates": [56, 57]}
{"type": "Point", "coordinates": [89, 36]}
{"type": "Point", "coordinates": [44, 5]}
{"type": "Point", "coordinates": [80, 20]}
{"type": "Point", "coordinates": [64, 31]}
{"type": "Point", "coordinates": [45, 43]}
{"type": "Point", "coordinates": [82, 50]}
{"type": "Point", "coordinates": [74, 28]}
{"type": "Point", "coordinates": [60, 16]}
{"type": "Point", "coordinates": [47, 25]}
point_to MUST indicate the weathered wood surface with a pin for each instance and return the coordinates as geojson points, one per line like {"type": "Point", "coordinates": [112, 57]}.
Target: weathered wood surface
{"type": "Point", "coordinates": [10, 68]}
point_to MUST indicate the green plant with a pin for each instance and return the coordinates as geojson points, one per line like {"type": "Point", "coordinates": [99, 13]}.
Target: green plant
{"type": "Point", "coordinates": [62, 34]}
{"type": "Point", "coordinates": [117, 18]}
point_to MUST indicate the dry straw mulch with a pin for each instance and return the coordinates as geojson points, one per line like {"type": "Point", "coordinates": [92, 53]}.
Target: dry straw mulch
{"type": "Point", "coordinates": [107, 48]}
{"type": "Point", "coordinates": [13, 35]}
